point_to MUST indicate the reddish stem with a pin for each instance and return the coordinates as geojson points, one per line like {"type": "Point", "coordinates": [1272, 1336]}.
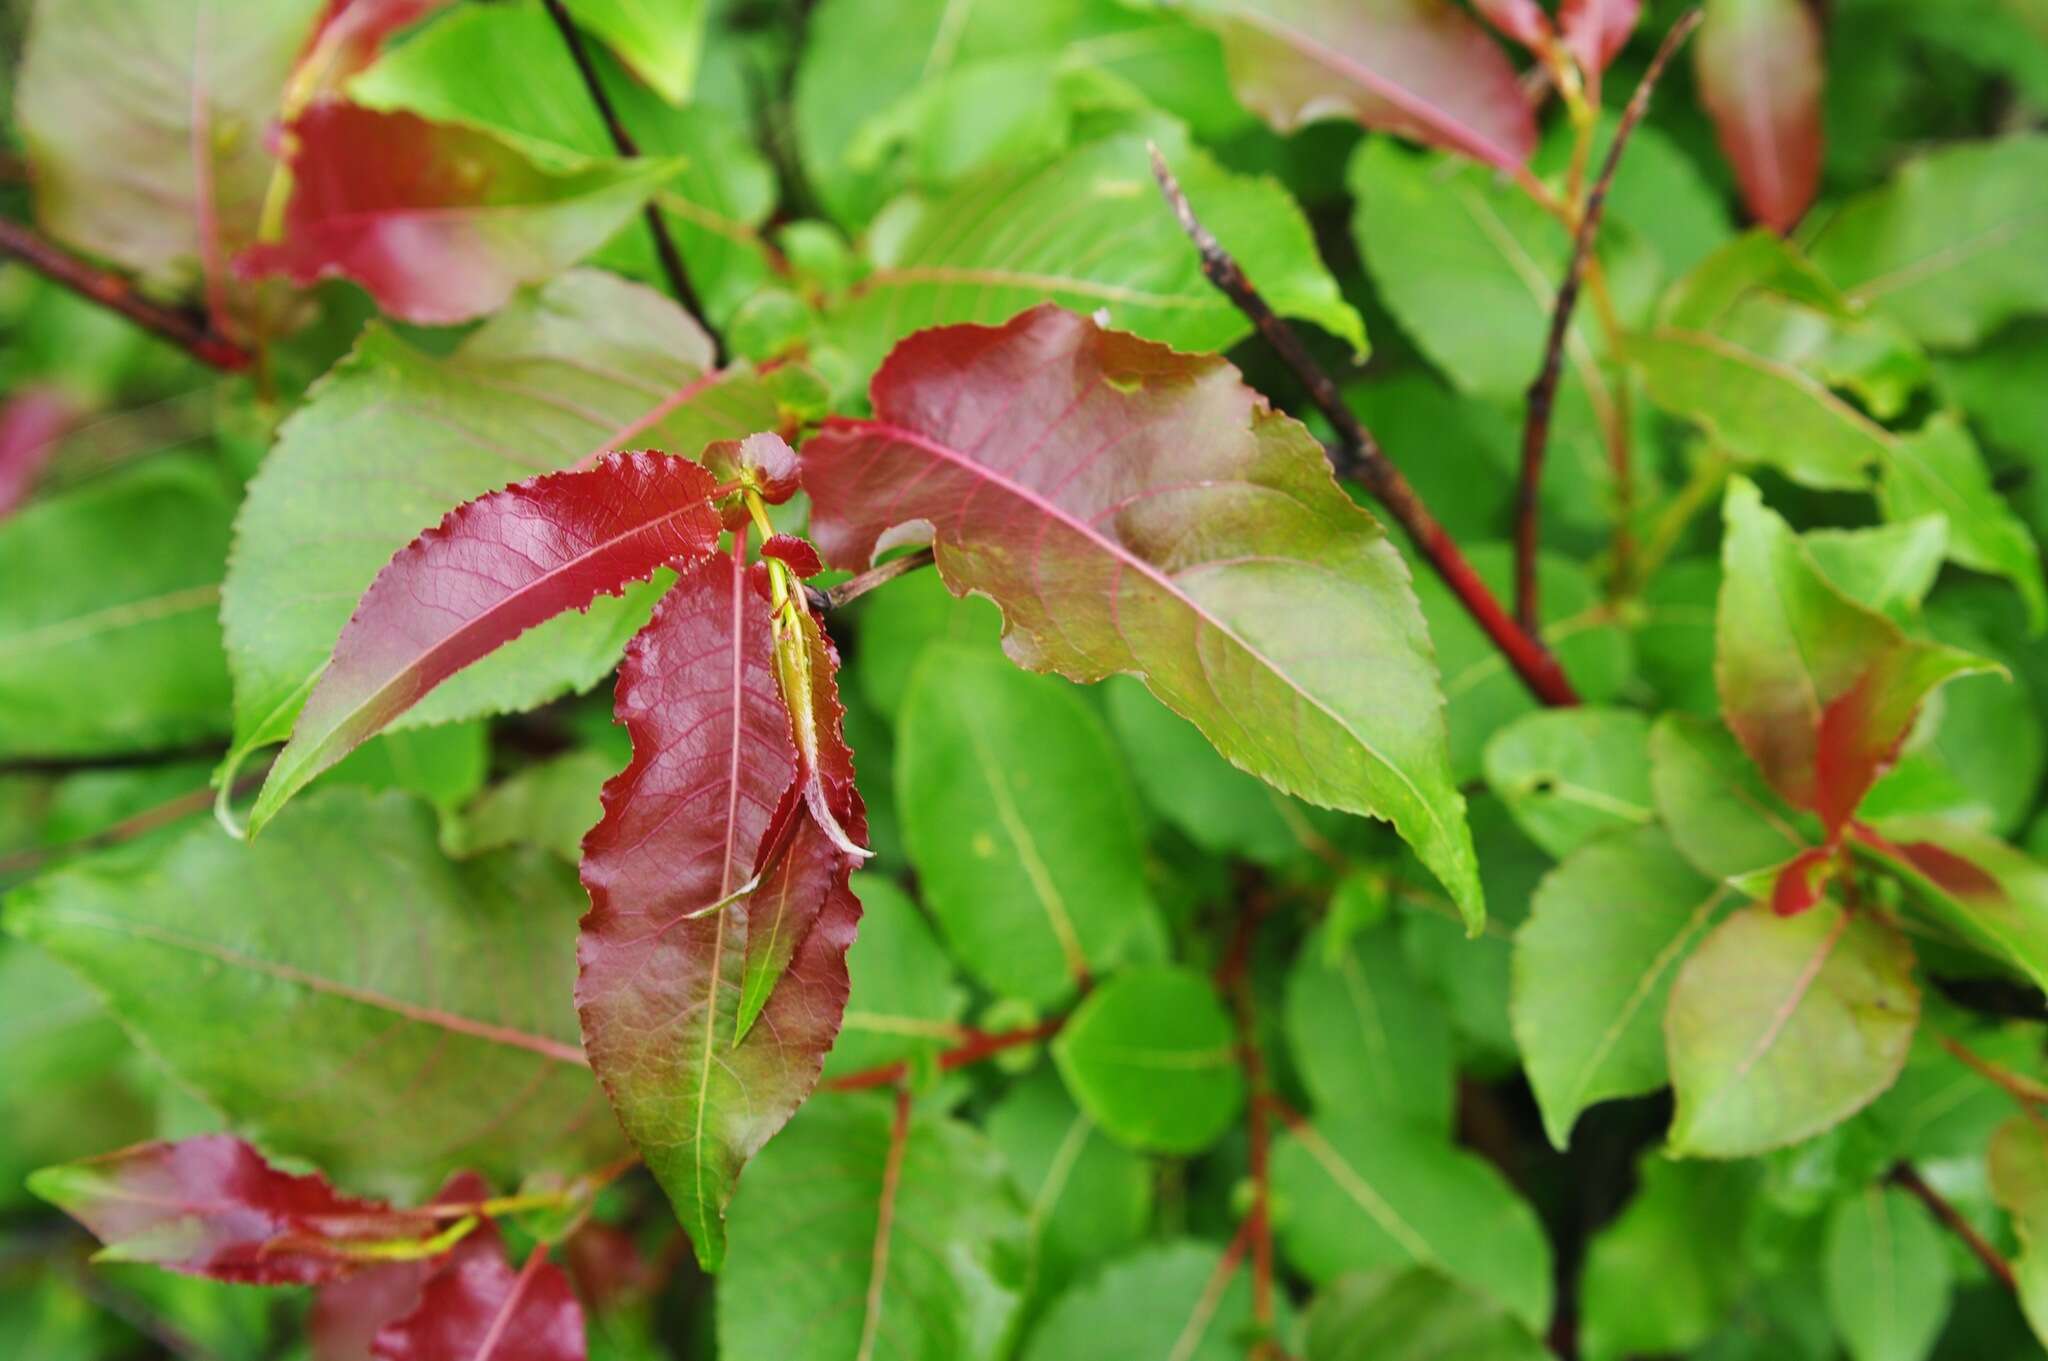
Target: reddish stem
{"type": "Point", "coordinates": [979, 1045]}
{"type": "Point", "coordinates": [115, 292]}
{"type": "Point", "coordinates": [1906, 1178]}
{"type": "Point", "coordinates": [1543, 391]}
{"type": "Point", "coordinates": [1363, 459]}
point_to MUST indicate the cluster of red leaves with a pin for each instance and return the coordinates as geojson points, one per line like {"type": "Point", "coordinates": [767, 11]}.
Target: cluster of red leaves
{"type": "Point", "coordinates": [394, 1284]}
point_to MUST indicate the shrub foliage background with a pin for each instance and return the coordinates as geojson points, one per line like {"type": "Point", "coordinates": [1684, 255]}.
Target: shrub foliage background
{"type": "Point", "coordinates": [1565, 888]}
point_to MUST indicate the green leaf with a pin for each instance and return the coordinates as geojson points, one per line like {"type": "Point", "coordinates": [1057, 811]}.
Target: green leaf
{"type": "Point", "coordinates": [1659, 190]}
{"type": "Point", "coordinates": [1367, 1037]}
{"type": "Point", "coordinates": [1594, 966]}
{"type": "Point", "coordinates": [2019, 1182]}
{"type": "Point", "coordinates": [1221, 808]}
{"type": "Point", "coordinates": [503, 68]}
{"type": "Point", "coordinates": [1889, 569]}
{"type": "Point", "coordinates": [1152, 1057]}
{"type": "Point", "coordinates": [1939, 471]}
{"type": "Point", "coordinates": [906, 1000]}
{"type": "Point", "coordinates": [1482, 693]}
{"type": "Point", "coordinates": [414, 1014]}
{"type": "Point", "coordinates": [1888, 1276]}
{"type": "Point", "coordinates": [445, 766]}
{"type": "Point", "coordinates": [1391, 1315]}
{"type": "Point", "coordinates": [1089, 1197]}
{"type": "Point", "coordinates": [1780, 1028]}
{"type": "Point", "coordinates": [108, 637]}
{"type": "Point", "coordinates": [550, 805]}
{"type": "Point", "coordinates": [1356, 1194]}
{"type": "Point", "coordinates": [1715, 806]}
{"type": "Point", "coordinates": [1021, 825]}
{"type": "Point", "coordinates": [661, 42]}
{"type": "Point", "coordinates": [1470, 268]}
{"type": "Point", "coordinates": [897, 623]}
{"type": "Point", "coordinates": [587, 364]}
{"type": "Point", "coordinates": [1571, 775]}
{"type": "Point", "coordinates": [1662, 1277]}
{"type": "Point", "coordinates": [1088, 231]}
{"type": "Point", "coordinates": [1178, 1299]}
{"type": "Point", "coordinates": [847, 1233]}
{"type": "Point", "coordinates": [1954, 247]}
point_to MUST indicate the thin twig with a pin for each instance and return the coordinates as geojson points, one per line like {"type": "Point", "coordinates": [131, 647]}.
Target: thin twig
{"type": "Point", "coordinates": [853, 588]}
{"type": "Point", "coordinates": [622, 140]}
{"type": "Point", "coordinates": [980, 1044]}
{"type": "Point", "coordinates": [117, 294]}
{"type": "Point", "coordinates": [1543, 392]}
{"type": "Point", "coordinates": [1363, 459]}
{"type": "Point", "coordinates": [141, 824]}
{"type": "Point", "coordinates": [1905, 1177]}
{"type": "Point", "coordinates": [1235, 976]}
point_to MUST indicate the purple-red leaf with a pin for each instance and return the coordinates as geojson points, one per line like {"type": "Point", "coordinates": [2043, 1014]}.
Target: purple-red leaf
{"type": "Point", "coordinates": [440, 223]}
{"type": "Point", "coordinates": [475, 1307]}
{"type": "Point", "coordinates": [676, 912]}
{"type": "Point", "coordinates": [347, 1314]}
{"type": "Point", "coordinates": [1137, 510]}
{"type": "Point", "coordinates": [1760, 71]}
{"type": "Point", "coordinates": [797, 553]}
{"type": "Point", "coordinates": [491, 570]}
{"type": "Point", "coordinates": [211, 1206]}
{"type": "Point", "coordinates": [1975, 885]}
{"type": "Point", "coordinates": [1820, 691]}
{"type": "Point", "coordinates": [1414, 67]}
{"type": "Point", "coordinates": [1522, 20]}
{"type": "Point", "coordinates": [31, 423]}
{"type": "Point", "coordinates": [1595, 31]}
{"type": "Point", "coordinates": [346, 40]}
{"type": "Point", "coordinates": [763, 461]}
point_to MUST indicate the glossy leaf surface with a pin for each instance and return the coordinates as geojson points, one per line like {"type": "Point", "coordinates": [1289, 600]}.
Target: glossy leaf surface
{"type": "Point", "coordinates": [1570, 776]}
{"type": "Point", "coordinates": [994, 437]}
{"type": "Point", "coordinates": [587, 364]}
{"type": "Point", "coordinates": [212, 1206]}
{"type": "Point", "coordinates": [477, 1305]}
{"type": "Point", "coordinates": [1185, 1313]}
{"type": "Point", "coordinates": [1779, 1028]}
{"type": "Point", "coordinates": [676, 912]}
{"type": "Point", "coordinates": [1413, 67]}
{"type": "Point", "coordinates": [494, 568]}
{"type": "Point", "coordinates": [1151, 1056]}
{"type": "Point", "coordinates": [1993, 896]}
{"type": "Point", "coordinates": [832, 1241]}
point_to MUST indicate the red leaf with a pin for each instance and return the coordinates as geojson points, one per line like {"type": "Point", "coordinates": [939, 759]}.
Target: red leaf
{"type": "Point", "coordinates": [1595, 31]}
{"type": "Point", "coordinates": [347, 1314]}
{"type": "Point", "coordinates": [211, 1206]}
{"type": "Point", "coordinates": [1802, 882]}
{"type": "Point", "coordinates": [494, 568]}
{"type": "Point", "coordinates": [476, 1307]}
{"type": "Point", "coordinates": [796, 552]}
{"type": "Point", "coordinates": [1980, 890]}
{"type": "Point", "coordinates": [346, 40]}
{"type": "Point", "coordinates": [440, 223]}
{"type": "Point", "coordinates": [33, 420]}
{"type": "Point", "coordinates": [1760, 72]}
{"type": "Point", "coordinates": [674, 912]}
{"type": "Point", "coordinates": [763, 461]}
{"type": "Point", "coordinates": [1415, 67]}
{"type": "Point", "coordinates": [1522, 20]}
{"type": "Point", "coordinates": [1137, 510]}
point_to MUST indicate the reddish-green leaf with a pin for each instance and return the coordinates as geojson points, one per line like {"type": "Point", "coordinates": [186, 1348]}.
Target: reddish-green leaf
{"type": "Point", "coordinates": [1780, 1028]}
{"type": "Point", "coordinates": [491, 570]}
{"type": "Point", "coordinates": [1819, 690]}
{"type": "Point", "coordinates": [1415, 67]}
{"type": "Point", "coordinates": [1522, 20]}
{"type": "Point", "coordinates": [476, 1307]}
{"type": "Point", "coordinates": [439, 222]}
{"type": "Point", "coordinates": [1595, 31]}
{"type": "Point", "coordinates": [1760, 69]}
{"type": "Point", "coordinates": [211, 1206]}
{"type": "Point", "coordinates": [347, 40]}
{"type": "Point", "coordinates": [674, 914]}
{"type": "Point", "coordinates": [1991, 895]}
{"type": "Point", "coordinates": [1134, 509]}
{"type": "Point", "coordinates": [32, 420]}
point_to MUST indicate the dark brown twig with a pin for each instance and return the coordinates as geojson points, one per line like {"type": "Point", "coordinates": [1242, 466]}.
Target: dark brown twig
{"type": "Point", "coordinates": [1903, 1176]}
{"type": "Point", "coordinates": [116, 293]}
{"type": "Point", "coordinates": [1543, 391]}
{"type": "Point", "coordinates": [141, 824]}
{"type": "Point", "coordinates": [1362, 459]}
{"type": "Point", "coordinates": [853, 588]}
{"type": "Point", "coordinates": [622, 140]}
